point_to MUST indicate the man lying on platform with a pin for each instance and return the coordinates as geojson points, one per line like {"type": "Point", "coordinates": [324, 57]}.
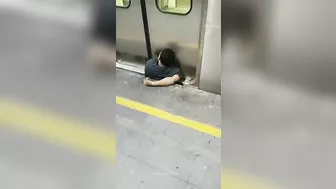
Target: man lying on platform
{"type": "Point", "coordinates": [163, 71]}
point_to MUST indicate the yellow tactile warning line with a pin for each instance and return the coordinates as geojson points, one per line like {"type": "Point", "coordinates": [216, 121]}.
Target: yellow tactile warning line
{"type": "Point", "coordinates": [229, 180]}
{"type": "Point", "coordinates": [29, 120]}
{"type": "Point", "coordinates": [79, 136]}
{"type": "Point", "coordinates": [204, 128]}
{"type": "Point", "coordinates": [233, 180]}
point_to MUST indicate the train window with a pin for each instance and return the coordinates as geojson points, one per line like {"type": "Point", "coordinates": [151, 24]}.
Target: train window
{"type": "Point", "coordinates": [123, 3]}
{"type": "Point", "coordinates": [182, 7]}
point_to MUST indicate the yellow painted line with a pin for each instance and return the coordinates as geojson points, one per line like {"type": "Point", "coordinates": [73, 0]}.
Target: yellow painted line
{"type": "Point", "coordinates": [233, 180]}
{"type": "Point", "coordinates": [204, 128]}
{"type": "Point", "coordinates": [58, 130]}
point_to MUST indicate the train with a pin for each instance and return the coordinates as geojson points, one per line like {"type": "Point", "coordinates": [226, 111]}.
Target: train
{"type": "Point", "coordinates": [191, 28]}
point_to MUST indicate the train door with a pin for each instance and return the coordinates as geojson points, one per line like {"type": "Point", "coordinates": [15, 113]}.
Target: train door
{"type": "Point", "coordinates": [130, 35]}
{"type": "Point", "coordinates": [144, 26]}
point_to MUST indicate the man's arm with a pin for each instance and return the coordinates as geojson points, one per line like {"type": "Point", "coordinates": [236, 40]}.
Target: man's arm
{"type": "Point", "coordinates": [163, 82]}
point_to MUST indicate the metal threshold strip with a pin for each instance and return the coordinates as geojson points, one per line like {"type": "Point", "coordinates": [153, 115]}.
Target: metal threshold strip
{"type": "Point", "coordinates": [129, 66]}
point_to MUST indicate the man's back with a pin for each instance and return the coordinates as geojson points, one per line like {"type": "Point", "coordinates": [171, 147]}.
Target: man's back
{"type": "Point", "coordinates": [157, 72]}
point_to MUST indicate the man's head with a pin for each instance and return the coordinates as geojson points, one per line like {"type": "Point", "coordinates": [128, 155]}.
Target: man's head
{"type": "Point", "coordinates": [167, 57]}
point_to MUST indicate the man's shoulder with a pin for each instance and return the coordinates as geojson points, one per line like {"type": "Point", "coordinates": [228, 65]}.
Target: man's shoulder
{"type": "Point", "coordinates": [151, 61]}
{"type": "Point", "coordinates": [150, 68]}
{"type": "Point", "coordinates": [176, 71]}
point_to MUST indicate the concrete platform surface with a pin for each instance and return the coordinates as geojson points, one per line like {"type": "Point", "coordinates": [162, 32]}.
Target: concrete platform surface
{"type": "Point", "coordinates": [157, 153]}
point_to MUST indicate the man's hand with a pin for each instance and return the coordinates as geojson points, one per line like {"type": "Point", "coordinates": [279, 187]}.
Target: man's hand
{"type": "Point", "coordinates": [147, 82]}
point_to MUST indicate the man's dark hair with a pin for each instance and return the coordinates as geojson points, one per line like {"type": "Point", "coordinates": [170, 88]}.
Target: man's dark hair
{"type": "Point", "coordinates": [167, 57]}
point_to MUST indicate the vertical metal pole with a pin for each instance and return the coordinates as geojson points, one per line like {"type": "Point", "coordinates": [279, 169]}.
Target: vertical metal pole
{"type": "Point", "coordinates": [146, 28]}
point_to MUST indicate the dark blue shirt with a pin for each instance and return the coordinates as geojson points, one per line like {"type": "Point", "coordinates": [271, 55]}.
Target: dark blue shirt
{"type": "Point", "coordinates": [156, 72]}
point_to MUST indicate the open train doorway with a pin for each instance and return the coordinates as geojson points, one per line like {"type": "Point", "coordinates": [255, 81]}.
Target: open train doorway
{"type": "Point", "coordinates": [143, 27]}
{"type": "Point", "coordinates": [131, 42]}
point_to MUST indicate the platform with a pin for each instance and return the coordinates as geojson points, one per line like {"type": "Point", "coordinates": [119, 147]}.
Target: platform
{"type": "Point", "coordinates": [156, 153]}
